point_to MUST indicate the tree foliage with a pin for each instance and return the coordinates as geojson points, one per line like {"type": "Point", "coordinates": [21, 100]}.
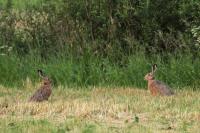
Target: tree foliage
{"type": "Point", "coordinates": [106, 28]}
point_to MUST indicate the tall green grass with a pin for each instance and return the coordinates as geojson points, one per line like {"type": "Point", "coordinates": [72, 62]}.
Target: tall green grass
{"type": "Point", "coordinates": [28, 4]}
{"type": "Point", "coordinates": [21, 4]}
{"type": "Point", "coordinates": [93, 71]}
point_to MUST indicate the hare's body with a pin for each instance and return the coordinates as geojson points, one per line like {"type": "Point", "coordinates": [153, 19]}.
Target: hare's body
{"type": "Point", "coordinates": [157, 87]}
{"type": "Point", "coordinates": [43, 92]}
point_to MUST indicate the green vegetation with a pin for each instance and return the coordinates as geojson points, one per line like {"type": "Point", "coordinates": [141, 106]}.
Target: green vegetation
{"type": "Point", "coordinates": [90, 71]}
{"type": "Point", "coordinates": [97, 52]}
{"type": "Point", "coordinates": [100, 42]}
{"type": "Point", "coordinates": [97, 110]}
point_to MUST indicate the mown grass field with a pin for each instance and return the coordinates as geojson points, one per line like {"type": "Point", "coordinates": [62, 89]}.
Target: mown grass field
{"type": "Point", "coordinates": [100, 110]}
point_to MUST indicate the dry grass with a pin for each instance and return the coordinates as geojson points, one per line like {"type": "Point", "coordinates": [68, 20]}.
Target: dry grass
{"type": "Point", "coordinates": [99, 110]}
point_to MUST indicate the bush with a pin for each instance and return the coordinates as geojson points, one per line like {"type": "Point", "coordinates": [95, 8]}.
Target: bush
{"type": "Point", "coordinates": [106, 28]}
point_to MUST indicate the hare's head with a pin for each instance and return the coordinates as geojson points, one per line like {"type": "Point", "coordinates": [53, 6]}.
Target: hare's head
{"type": "Point", "coordinates": [45, 79]}
{"type": "Point", "coordinates": [150, 76]}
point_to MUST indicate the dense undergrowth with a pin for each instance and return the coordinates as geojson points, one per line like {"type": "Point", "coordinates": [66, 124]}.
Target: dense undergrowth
{"type": "Point", "coordinates": [100, 42]}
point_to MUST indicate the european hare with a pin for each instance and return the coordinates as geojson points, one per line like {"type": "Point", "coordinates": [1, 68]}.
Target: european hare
{"type": "Point", "coordinates": [44, 91]}
{"type": "Point", "coordinates": [157, 87]}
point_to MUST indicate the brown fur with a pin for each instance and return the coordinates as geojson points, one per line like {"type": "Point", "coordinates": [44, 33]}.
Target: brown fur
{"type": "Point", "coordinates": [44, 91]}
{"type": "Point", "coordinates": [157, 87]}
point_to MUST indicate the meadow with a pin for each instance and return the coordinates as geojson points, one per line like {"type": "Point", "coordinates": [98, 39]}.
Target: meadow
{"type": "Point", "coordinates": [97, 52]}
{"type": "Point", "coordinates": [93, 110]}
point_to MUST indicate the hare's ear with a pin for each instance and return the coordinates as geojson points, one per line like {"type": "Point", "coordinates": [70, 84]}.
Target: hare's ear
{"type": "Point", "coordinates": [40, 72]}
{"type": "Point", "coordinates": [154, 68]}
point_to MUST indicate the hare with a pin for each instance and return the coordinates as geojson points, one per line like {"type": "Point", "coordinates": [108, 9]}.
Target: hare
{"type": "Point", "coordinates": [44, 91]}
{"type": "Point", "coordinates": [157, 87]}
